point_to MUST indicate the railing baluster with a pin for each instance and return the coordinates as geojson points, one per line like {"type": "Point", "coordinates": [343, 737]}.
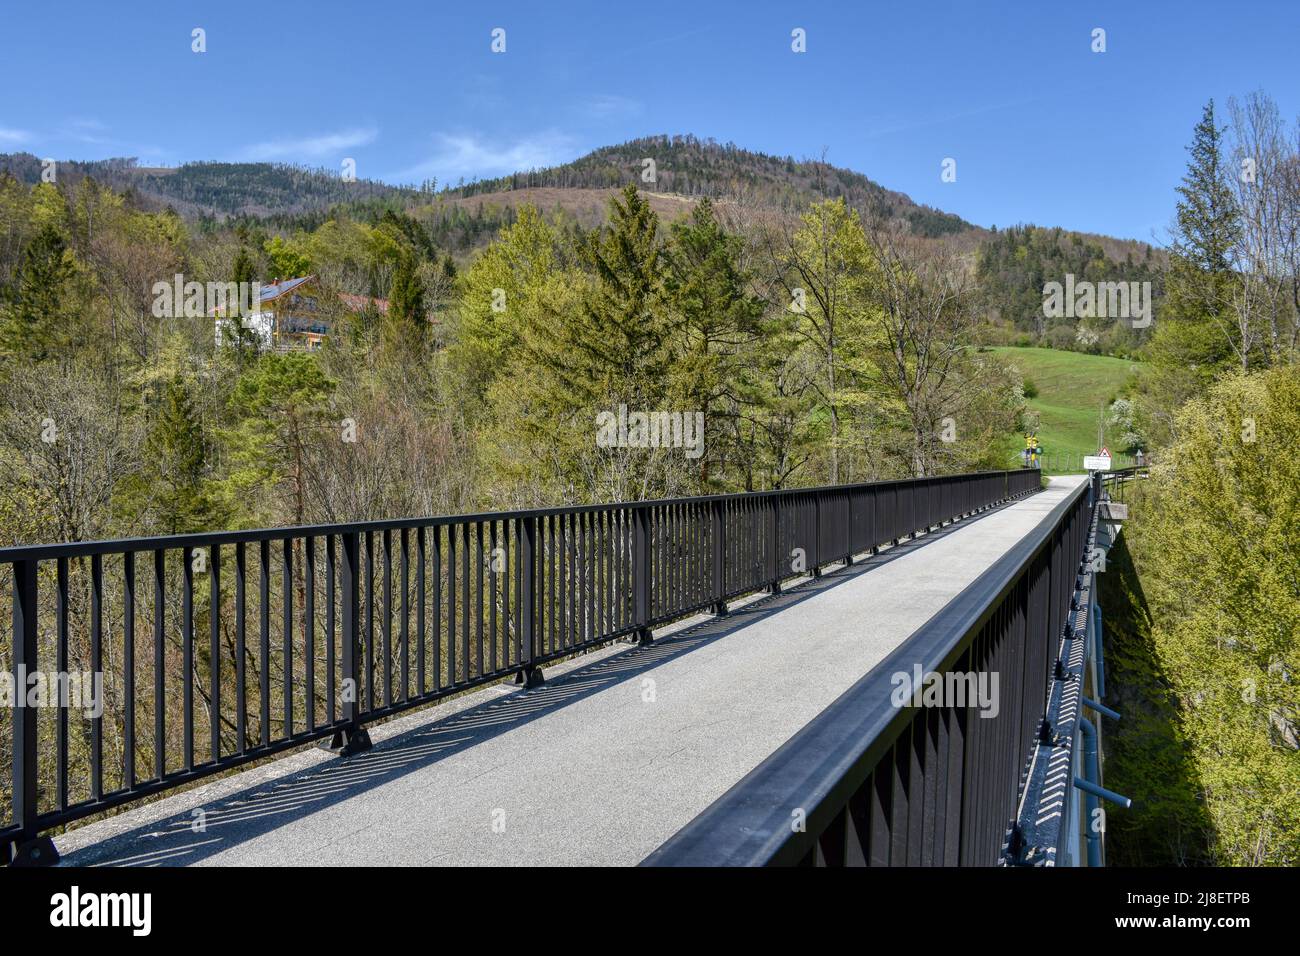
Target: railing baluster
{"type": "Point", "coordinates": [509, 655]}
{"type": "Point", "coordinates": [437, 608]}
{"type": "Point", "coordinates": [527, 596]}
{"type": "Point", "coordinates": [128, 669]}
{"type": "Point", "coordinates": [241, 648]}
{"type": "Point", "coordinates": [330, 707]}
{"type": "Point", "coordinates": [264, 639]}
{"type": "Point", "coordinates": [370, 622]}
{"type": "Point", "coordinates": [97, 668]}
{"type": "Point", "coordinates": [350, 637]}
{"type": "Point", "coordinates": [388, 618]}
{"type": "Point", "coordinates": [641, 571]}
{"type": "Point", "coordinates": [478, 595]}
{"type": "Point", "coordinates": [214, 651]}
{"type": "Point", "coordinates": [404, 632]}
{"type": "Point", "coordinates": [286, 636]}
{"type": "Point", "coordinates": [465, 663]}
{"type": "Point", "coordinates": [451, 605]}
{"type": "Point", "coordinates": [492, 588]}
{"type": "Point", "coordinates": [419, 610]}
{"type": "Point", "coordinates": [187, 658]}
{"type": "Point", "coordinates": [26, 769]}
{"type": "Point", "coordinates": [61, 665]}
{"type": "Point", "coordinates": [159, 664]}
{"type": "Point", "coordinates": [309, 631]}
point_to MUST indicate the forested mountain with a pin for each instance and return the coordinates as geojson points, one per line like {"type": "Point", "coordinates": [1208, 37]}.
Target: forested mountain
{"type": "Point", "coordinates": [281, 206]}
{"type": "Point", "coordinates": [1015, 264]}
{"type": "Point", "coordinates": [685, 166]}
{"type": "Point", "coordinates": [689, 166]}
{"type": "Point", "coordinates": [464, 217]}
{"type": "Point", "coordinates": [198, 190]}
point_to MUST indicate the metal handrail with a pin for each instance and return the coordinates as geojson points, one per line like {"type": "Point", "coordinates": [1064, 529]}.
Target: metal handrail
{"type": "Point", "coordinates": [374, 618]}
{"type": "Point", "coordinates": [869, 782]}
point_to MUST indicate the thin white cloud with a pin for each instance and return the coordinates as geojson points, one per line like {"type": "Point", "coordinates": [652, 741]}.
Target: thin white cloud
{"type": "Point", "coordinates": [87, 131]}
{"type": "Point", "coordinates": [309, 147]}
{"type": "Point", "coordinates": [607, 105]}
{"type": "Point", "coordinates": [472, 156]}
{"type": "Point", "coordinates": [10, 135]}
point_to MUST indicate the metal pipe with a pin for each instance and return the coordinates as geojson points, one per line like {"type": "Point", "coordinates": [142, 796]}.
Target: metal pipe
{"type": "Point", "coordinates": [1098, 649]}
{"type": "Point", "coordinates": [1093, 790]}
{"type": "Point", "coordinates": [1088, 786]}
{"type": "Point", "coordinates": [1101, 708]}
{"type": "Point", "coordinates": [1090, 800]}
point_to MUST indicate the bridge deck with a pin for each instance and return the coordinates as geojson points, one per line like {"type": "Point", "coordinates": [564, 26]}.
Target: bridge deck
{"type": "Point", "coordinates": [598, 766]}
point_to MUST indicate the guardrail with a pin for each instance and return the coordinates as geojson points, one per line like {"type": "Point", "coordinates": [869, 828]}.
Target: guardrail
{"type": "Point", "coordinates": [1116, 482]}
{"type": "Point", "coordinates": [871, 781]}
{"type": "Point", "coordinates": [372, 619]}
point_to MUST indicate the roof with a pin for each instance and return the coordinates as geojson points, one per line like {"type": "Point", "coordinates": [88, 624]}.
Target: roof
{"type": "Point", "coordinates": [358, 303]}
{"type": "Point", "coordinates": [274, 290]}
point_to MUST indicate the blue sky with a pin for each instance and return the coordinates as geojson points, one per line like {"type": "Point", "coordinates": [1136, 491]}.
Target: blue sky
{"type": "Point", "coordinates": [1043, 129]}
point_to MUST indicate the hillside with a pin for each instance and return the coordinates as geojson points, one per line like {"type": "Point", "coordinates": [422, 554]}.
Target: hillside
{"type": "Point", "coordinates": [1072, 388]}
{"type": "Point", "coordinates": [687, 168]}
{"type": "Point", "coordinates": [219, 190]}
{"type": "Point", "coordinates": [691, 167]}
{"type": "Point", "coordinates": [464, 217]}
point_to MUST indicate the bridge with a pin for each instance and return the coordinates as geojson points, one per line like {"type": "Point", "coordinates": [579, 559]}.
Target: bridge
{"type": "Point", "coordinates": [888, 673]}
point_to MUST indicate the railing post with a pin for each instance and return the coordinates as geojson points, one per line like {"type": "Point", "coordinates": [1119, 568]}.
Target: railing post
{"type": "Point", "coordinates": [774, 545]}
{"type": "Point", "coordinates": [353, 738]}
{"type": "Point", "coordinates": [641, 572]}
{"type": "Point", "coordinates": [29, 847]}
{"type": "Point", "coordinates": [817, 535]}
{"type": "Point", "coordinates": [719, 537]}
{"type": "Point", "coordinates": [530, 675]}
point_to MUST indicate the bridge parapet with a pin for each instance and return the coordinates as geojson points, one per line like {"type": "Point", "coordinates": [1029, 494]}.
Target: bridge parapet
{"type": "Point", "coordinates": [238, 646]}
{"type": "Point", "coordinates": [926, 777]}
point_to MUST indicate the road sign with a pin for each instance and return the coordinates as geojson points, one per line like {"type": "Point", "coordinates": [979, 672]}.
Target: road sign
{"type": "Point", "coordinates": [1097, 462]}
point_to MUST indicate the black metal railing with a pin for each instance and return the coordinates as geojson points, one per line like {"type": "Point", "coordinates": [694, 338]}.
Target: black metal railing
{"type": "Point", "coordinates": [1116, 482]}
{"type": "Point", "coordinates": [218, 649]}
{"type": "Point", "coordinates": [875, 781]}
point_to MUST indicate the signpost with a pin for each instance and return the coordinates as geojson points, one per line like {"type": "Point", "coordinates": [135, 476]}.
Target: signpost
{"type": "Point", "coordinates": [1033, 452]}
{"type": "Point", "coordinates": [1097, 462]}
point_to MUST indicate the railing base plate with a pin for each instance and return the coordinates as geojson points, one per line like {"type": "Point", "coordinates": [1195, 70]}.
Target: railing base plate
{"type": "Point", "coordinates": [530, 677]}
{"type": "Point", "coordinates": [37, 852]}
{"type": "Point", "coordinates": [345, 743]}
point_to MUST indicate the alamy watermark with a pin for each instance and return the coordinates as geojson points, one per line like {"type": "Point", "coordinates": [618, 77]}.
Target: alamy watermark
{"type": "Point", "coordinates": [1130, 301]}
{"type": "Point", "coordinates": [977, 689]}
{"type": "Point", "coordinates": [179, 299]}
{"type": "Point", "coordinates": [71, 690]}
{"type": "Point", "coordinates": [624, 429]}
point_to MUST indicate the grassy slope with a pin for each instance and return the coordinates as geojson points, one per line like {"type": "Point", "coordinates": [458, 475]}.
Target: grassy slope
{"type": "Point", "coordinates": [1071, 389]}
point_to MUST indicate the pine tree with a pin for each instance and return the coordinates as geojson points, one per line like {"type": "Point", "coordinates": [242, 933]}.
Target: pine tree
{"type": "Point", "coordinates": [177, 454]}
{"type": "Point", "coordinates": [34, 322]}
{"type": "Point", "coordinates": [407, 322]}
{"type": "Point", "coordinates": [1208, 225]}
{"type": "Point", "coordinates": [716, 324]}
{"type": "Point", "coordinates": [1192, 341]}
{"type": "Point", "coordinates": [244, 339]}
{"type": "Point", "coordinates": [621, 344]}
{"type": "Point", "coordinates": [282, 407]}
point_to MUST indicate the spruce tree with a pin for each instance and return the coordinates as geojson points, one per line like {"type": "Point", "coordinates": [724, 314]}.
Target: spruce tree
{"type": "Point", "coordinates": [405, 326]}
{"type": "Point", "coordinates": [1208, 225]}
{"type": "Point", "coordinates": [177, 457]}
{"type": "Point", "coordinates": [1192, 341]}
{"type": "Point", "coordinates": [34, 320]}
{"type": "Point", "coordinates": [620, 346]}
